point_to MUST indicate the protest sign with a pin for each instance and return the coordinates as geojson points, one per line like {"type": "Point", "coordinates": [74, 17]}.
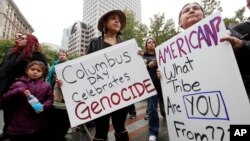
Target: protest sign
{"type": "Point", "coordinates": [202, 86]}
{"type": "Point", "coordinates": [104, 81]}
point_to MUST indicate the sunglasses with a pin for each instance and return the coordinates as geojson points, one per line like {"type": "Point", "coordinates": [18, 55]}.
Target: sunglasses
{"type": "Point", "coordinates": [18, 36]}
{"type": "Point", "coordinates": [22, 38]}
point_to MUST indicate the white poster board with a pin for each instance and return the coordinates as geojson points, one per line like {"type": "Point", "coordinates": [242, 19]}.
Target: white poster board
{"type": "Point", "coordinates": [202, 86]}
{"type": "Point", "coordinates": [104, 81]}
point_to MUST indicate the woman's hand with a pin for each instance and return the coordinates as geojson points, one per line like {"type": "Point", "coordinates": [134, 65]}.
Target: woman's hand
{"type": "Point", "coordinates": [235, 42]}
{"type": "Point", "coordinates": [152, 64]}
{"type": "Point", "coordinates": [140, 52]}
{"type": "Point", "coordinates": [158, 74]}
{"type": "Point", "coordinates": [59, 82]}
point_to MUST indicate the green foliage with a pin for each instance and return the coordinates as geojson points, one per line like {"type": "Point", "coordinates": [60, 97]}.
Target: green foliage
{"type": "Point", "coordinates": [160, 29]}
{"type": "Point", "coordinates": [133, 29]}
{"type": "Point", "coordinates": [209, 6]}
{"type": "Point", "coordinates": [5, 45]}
{"type": "Point", "coordinates": [50, 54]}
{"type": "Point", "coordinates": [73, 56]}
{"type": "Point", "coordinates": [238, 18]}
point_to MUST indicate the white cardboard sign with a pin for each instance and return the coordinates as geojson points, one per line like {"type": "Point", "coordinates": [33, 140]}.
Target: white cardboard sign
{"type": "Point", "coordinates": [104, 81]}
{"type": "Point", "coordinates": [202, 87]}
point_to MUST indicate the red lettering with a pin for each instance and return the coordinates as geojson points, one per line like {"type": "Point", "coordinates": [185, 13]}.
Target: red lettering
{"type": "Point", "coordinates": [125, 99]}
{"type": "Point", "coordinates": [146, 84]}
{"type": "Point", "coordinates": [94, 106]}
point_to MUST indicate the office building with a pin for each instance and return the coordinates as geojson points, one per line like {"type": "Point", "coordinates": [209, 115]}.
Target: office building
{"type": "Point", "coordinates": [94, 9]}
{"type": "Point", "coordinates": [12, 20]}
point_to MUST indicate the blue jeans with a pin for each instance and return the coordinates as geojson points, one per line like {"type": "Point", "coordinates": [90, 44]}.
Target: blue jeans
{"type": "Point", "coordinates": [153, 118]}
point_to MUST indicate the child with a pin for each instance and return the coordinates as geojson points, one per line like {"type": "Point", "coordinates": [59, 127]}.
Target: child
{"type": "Point", "coordinates": [27, 124]}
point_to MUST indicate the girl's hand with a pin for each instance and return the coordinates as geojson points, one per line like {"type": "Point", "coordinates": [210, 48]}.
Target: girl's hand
{"type": "Point", "coordinates": [26, 92]}
{"type": "Point", "coordinates": [235, 42]}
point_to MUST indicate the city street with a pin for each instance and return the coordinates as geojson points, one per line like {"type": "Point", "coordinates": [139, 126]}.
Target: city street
{"type": "Point", "coordinates": [138, 128]}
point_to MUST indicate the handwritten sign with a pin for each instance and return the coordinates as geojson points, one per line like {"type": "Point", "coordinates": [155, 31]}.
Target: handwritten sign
{"type": "Point", "coordinates": [202, 86]}
{"type": "Point", "coordinates": [105, 81]}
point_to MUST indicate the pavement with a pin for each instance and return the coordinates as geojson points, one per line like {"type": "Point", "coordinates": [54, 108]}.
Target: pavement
{"type": "Point", "coordinates": [137, 127]}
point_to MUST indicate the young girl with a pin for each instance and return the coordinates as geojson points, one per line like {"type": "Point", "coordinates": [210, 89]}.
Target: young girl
{"type": "Point", "coordinates": [25, 123]}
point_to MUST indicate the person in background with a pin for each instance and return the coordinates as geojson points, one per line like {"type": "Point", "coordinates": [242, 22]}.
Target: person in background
{"type": "Point", "coordinates": [242, 54]}
{"type": "Point", "coordinates": [150, 61]}
{"type": "Point", "coordinates": [26, 49]}
{"type": "Point", "coordinates": [110, 25]}
{"type": "Point", "coordinates": [63, 57]}
{"type": "Point", "coordinates": [58, 116]}
{"type": "Point", "coordinates": [25, 123]}
{"type": "Point", "coordinates": [132, 111]}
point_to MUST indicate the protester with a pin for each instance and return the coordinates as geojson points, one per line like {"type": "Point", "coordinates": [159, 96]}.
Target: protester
{"type": "Point", "coordinates": [25, 123]}
{"type": "Point", "coordinates": [110, 25]}
{"type": "Point", "coordinates": [26, 49]}
{"type": "Point", "coordinates": [150, 61]}
{"type": "Point", "coordinates": [58, 116]}
{"type": "Point", "coordinates": [132, 111]}
{"type": "Point", "coordinates": [243, 53]}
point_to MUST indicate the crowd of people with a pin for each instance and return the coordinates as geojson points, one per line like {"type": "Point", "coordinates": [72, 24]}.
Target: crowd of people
{"type": "Point", "coordinates": [24, 71]}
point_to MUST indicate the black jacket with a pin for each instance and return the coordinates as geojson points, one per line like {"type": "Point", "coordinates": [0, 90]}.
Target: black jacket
{"type": "Point", "coordinates": [243, 54]}
{"type": "Point", "coordinates": [152, 71]}
{"type": "Point", "coordinates": [14, 66]}
{"type": "Point", "coordinates": [98, 44]}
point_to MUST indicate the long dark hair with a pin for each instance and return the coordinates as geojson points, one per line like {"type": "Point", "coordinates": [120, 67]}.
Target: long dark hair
{"type": "Point", "coordinates": [146, 48]}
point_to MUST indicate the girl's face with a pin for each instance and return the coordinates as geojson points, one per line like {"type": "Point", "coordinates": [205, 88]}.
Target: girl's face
{"type": "Point", "coordinates": [113, 23]}
{"type": "Point", "coordinates": [34, 72]}
{"type": "Point", "coordinates": [190, 15]}
{"type": "Point", "coordinates": [150, 44]}
{"type": "Point", "coordinates": [22, 42]}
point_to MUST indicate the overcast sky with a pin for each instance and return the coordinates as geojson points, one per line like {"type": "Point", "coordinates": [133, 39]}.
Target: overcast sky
{"type": "Point", "coordinates": [49, 17]}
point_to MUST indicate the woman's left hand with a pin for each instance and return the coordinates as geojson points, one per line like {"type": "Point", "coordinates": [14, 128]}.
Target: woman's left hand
{"type": "Point", "coordinates": [140, 52]}
{"type": "Point", "coordinates": [235, 42]}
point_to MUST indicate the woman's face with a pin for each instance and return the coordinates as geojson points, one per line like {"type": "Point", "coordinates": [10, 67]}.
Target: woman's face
{"type": "Point", "coordinates": [113, 23]}
{"type": "Point", "coordinates": [151, 44]}
{"type": "Point", "coordinates": [22, 42]}
{"type": "Point", "coordinates": [190, 15]}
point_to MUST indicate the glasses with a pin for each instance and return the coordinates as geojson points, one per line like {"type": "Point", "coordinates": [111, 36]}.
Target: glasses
{"type": "Point", "coordinates": [22, 38]}
{"type": "Point", "coordinates": [18, 36]}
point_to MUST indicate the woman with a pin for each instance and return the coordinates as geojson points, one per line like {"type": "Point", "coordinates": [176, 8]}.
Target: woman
{"type": "Point", "coordinates": [192, 13]}
{"type": "Point", "coordinates": [150, 61]}
{"type": "Point", "coordinates": [110, 24]}
{"type": "Point", "coordinates": [25, 50]}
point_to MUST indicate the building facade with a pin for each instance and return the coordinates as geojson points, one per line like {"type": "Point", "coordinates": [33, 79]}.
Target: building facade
{"type": "Point", "coordinates": [12, 20]}
{"type": "Point", "coordinates": [78, 38]}
{"type": "Point", "coordinates": [94, 9]}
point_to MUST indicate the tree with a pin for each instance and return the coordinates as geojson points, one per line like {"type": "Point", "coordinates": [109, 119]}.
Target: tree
{"type": "Point", "coordinates": [51, 55]}
{"type": "Point", "coordinates": [134, 29]}
{"type": "Point", "coordinates": [161, 30]}
{"type": "Point", "coordinates": [238, 18]}
{"type": "Point", "coordinates": [5, 45]}
{"type": "Point", "coordinates": [209, 6]}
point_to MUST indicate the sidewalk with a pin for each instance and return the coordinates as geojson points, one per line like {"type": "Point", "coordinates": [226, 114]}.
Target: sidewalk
{"type": "Point", "coordinates": [138, 128]}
